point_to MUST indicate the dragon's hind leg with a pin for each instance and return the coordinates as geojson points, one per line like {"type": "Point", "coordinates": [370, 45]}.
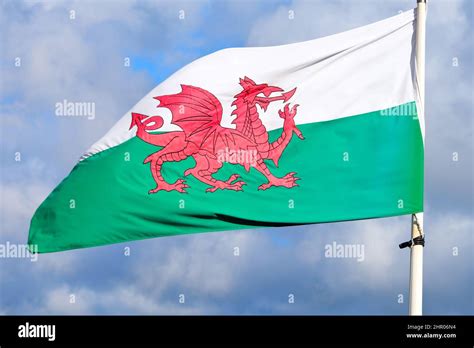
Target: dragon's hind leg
{"type": "Point", "coordinates": [205, 167]}
{"type": "Point", "coordinates": [288, 181]}
{"type": "Point", "coordinates": [168, 154]}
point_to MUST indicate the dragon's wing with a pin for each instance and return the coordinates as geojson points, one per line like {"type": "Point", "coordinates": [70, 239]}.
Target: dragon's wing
{"type": "Point", "coordinates": [196, 111]}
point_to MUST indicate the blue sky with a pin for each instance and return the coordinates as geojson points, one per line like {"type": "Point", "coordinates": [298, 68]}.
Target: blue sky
{"type": "Point", "coordinates": [82, 59]}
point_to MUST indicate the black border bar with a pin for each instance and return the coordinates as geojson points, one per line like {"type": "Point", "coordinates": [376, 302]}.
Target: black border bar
{"type": "Point", "coordinates": [289, 330]}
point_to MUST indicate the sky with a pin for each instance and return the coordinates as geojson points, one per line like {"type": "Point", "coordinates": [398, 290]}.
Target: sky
{"type": "Point", "coordinates": [80, 55]}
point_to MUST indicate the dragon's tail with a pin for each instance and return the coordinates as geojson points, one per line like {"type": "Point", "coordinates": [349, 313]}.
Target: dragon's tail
{"type": "Point", "coordinates": [137, 120]}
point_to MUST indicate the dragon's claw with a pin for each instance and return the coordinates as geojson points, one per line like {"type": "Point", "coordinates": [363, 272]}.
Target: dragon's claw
{"type": "Point", "coordinates": [227, 185]}
{"type": "Point", "coordinates": [287, 113]}
{"type": "Point", "coordinates": [180, 186]}
{"type": "Point", "coordinates": [288, 181]}
{"type": "Point", "coordinates": [232, 178]}
{"type": "Point", "coordinates": [237, 186]}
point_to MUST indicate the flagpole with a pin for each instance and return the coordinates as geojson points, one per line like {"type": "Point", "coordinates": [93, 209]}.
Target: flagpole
{"type": "Point", "coordinates": [417, 233]}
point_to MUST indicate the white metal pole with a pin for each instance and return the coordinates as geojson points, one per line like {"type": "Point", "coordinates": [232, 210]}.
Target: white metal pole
{"type": "Point", "coordinates": [416, 250]}
{"type": "Point", "coordinates": [416, 268]}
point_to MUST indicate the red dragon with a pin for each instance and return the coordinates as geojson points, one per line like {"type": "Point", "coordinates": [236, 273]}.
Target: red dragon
{"type": "Point", "coordinates": [199, 113]}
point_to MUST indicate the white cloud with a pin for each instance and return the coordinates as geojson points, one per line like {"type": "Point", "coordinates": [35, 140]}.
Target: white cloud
{"type": "Point", "coordinates": [313, 19]}
{"type": "Point", "coordinates": [63, 300]}
{"type": "Point", "coordinates": [196, 263]}
{"type": "Point", "coordinates": [56, 263]}
{"type": "Point", "coordinates": [18, 203]}
{"type": "Point", "coordinates": [380, 239]}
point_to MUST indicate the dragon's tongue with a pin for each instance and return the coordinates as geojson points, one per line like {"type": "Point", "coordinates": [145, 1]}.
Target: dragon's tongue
{"type": "Point", "coordinates": [288, 95]}
{"type": "Point", "coordinates": [284, 96]}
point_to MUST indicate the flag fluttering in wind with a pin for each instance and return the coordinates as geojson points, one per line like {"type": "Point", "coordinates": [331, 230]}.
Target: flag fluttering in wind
{"type": "Point", "coordinates": [317, 131]}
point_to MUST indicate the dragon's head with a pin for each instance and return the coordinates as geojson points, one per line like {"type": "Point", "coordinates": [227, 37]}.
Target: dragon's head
{"type": "Point", "coordinates": [260, 94]}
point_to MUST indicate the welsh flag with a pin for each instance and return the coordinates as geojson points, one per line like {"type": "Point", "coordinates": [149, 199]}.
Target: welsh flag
{"type": "Point", "coordinates": [311, 132]}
